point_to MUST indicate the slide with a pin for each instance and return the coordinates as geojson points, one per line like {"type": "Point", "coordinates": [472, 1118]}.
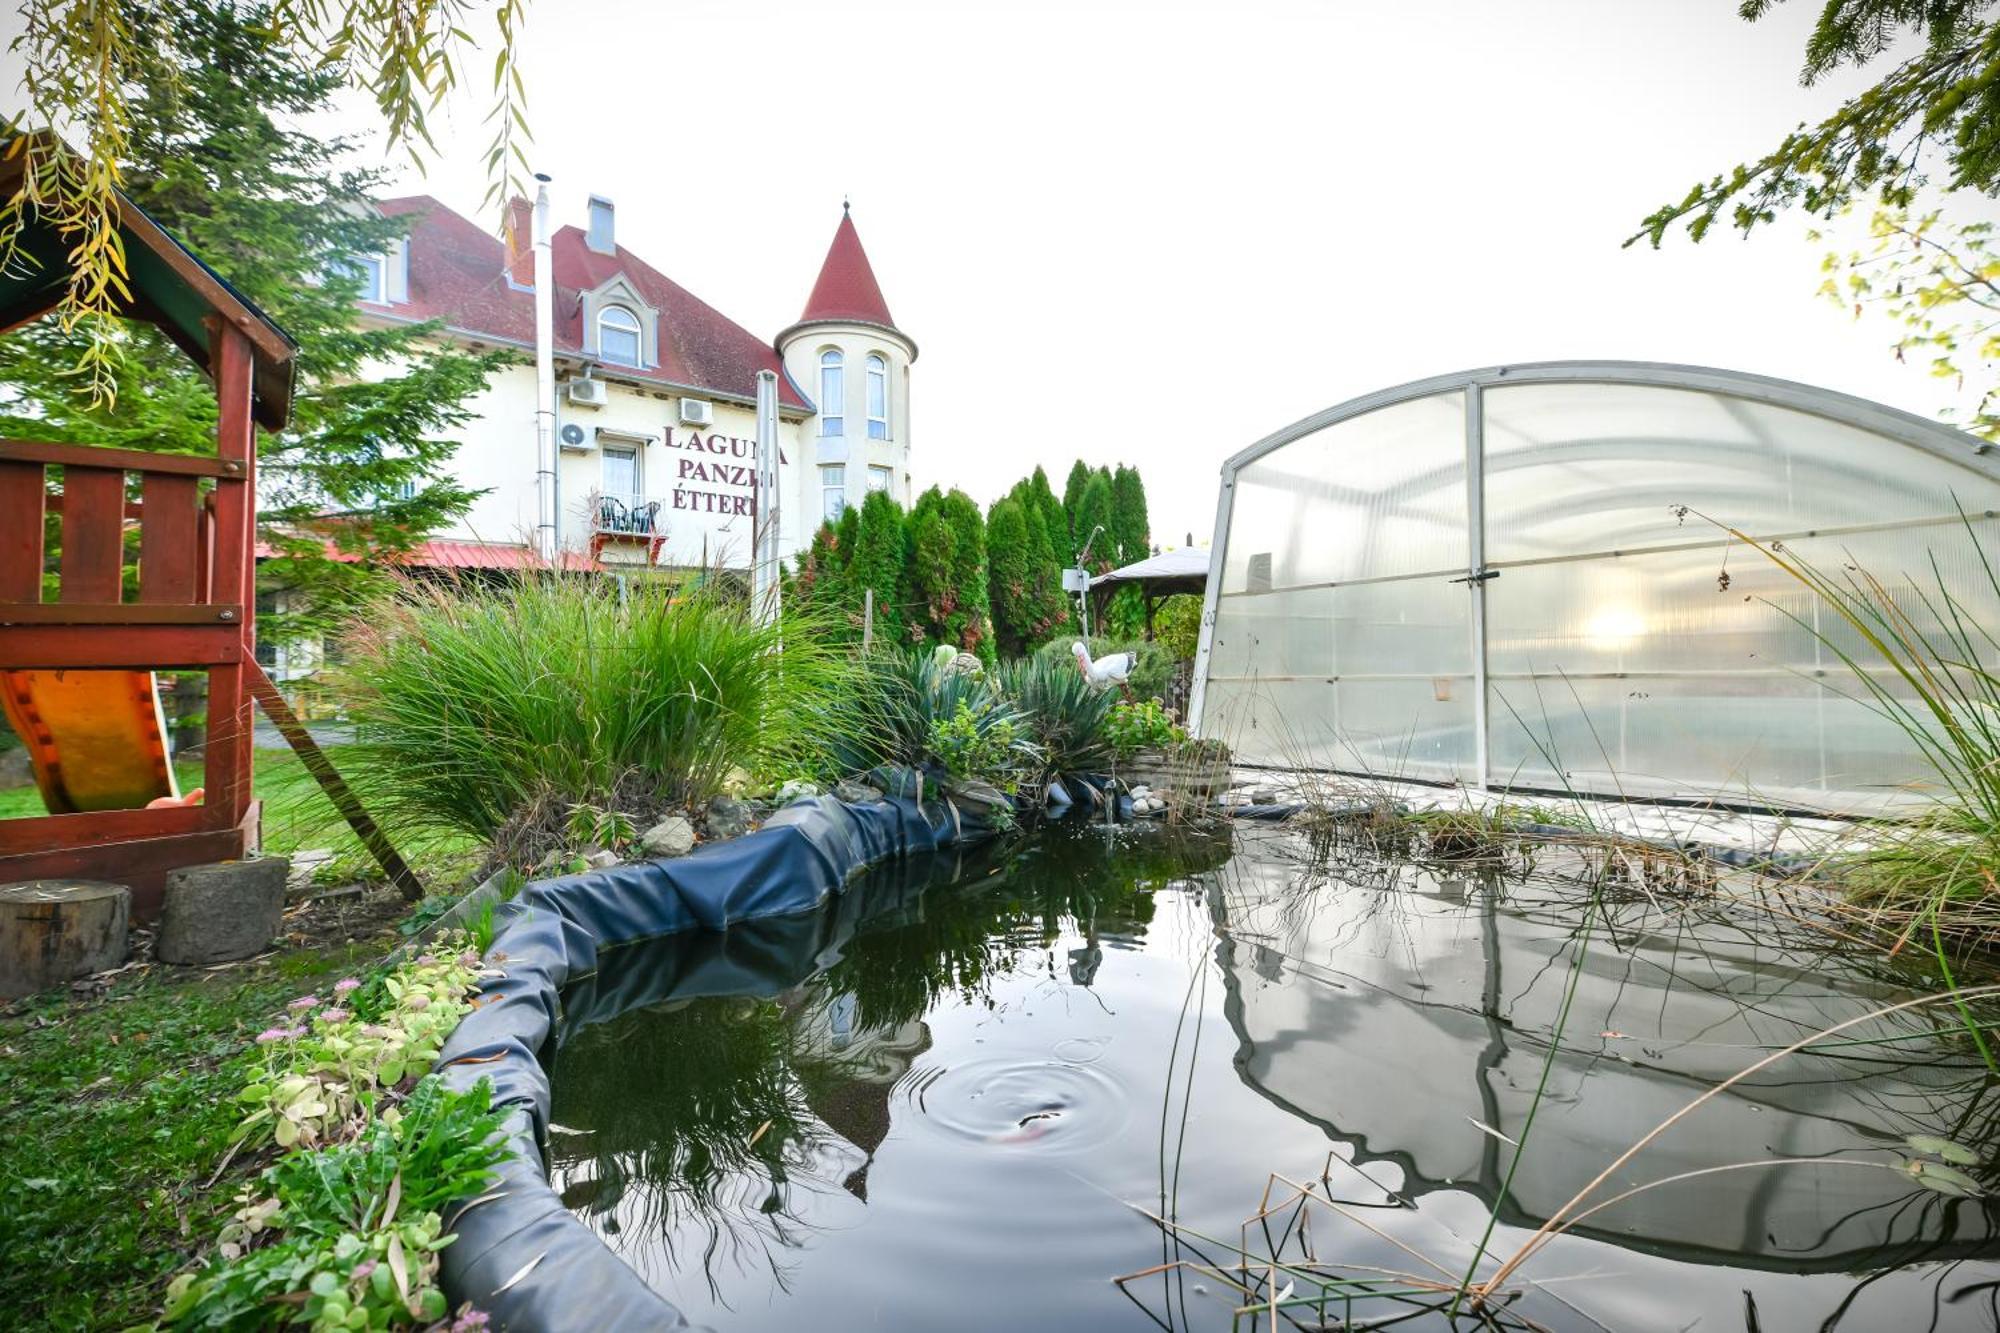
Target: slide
{"type": "Point", "coordinates": [97, 739]}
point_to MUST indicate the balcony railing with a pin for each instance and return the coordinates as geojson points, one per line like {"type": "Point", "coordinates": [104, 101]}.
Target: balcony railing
{"type": "Point", "coordinates": [626, 516]}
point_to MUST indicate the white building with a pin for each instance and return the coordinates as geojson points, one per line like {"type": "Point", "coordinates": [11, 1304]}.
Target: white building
{"type": "Point", "coordinates": [656, 394]}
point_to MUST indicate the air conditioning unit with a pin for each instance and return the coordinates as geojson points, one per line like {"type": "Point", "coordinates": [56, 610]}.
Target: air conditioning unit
{"type": "Point", "coordinates": [697, 412]}
{"type": "Point", "coordinates": [588, 393]}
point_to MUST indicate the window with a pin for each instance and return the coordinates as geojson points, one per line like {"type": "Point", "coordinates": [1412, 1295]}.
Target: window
{"type": "Point", "coordinates": [878, 478]}
{"type": "Point", "coordinates": [832, 491]}
{"type": "Point", "coordinates": [878, 397]}
{"type": "Point", "coordinates": [618, 336]}
{"type": "Point", "coordinates": [832, 392]}
{"type": "Point", "coordinates": [369, 269]}
{"type": "Point", "coordinates": [621, 473]}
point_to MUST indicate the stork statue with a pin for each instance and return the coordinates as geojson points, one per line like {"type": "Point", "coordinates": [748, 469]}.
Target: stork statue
{"type": "Point", "coordinates": [1114, 669]}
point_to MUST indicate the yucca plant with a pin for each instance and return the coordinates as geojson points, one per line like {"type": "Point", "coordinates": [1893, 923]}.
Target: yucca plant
{"type": "Point", "coordinates": [1065, 714]}
{"type": "Point", "coordinates": [478, 708]}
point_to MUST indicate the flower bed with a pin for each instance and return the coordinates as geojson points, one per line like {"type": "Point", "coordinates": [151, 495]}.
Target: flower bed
{"type": "Point", "coordinates": [344, 1228]}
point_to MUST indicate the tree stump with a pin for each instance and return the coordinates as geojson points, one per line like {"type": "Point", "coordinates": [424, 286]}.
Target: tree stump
{"type": "Point", "coordinates": [55, 930]}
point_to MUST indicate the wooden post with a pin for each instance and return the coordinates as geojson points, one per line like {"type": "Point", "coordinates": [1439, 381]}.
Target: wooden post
{"type": "Point", "coordinates": [230, 718]}
{"type": "Point", "coordinates": [333, 784]}
{"type": "Point", "coordinates": [867, 620]}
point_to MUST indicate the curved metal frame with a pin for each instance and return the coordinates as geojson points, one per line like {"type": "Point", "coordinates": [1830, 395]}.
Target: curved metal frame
{"type": "Point", "coordinates": [1890, 423]}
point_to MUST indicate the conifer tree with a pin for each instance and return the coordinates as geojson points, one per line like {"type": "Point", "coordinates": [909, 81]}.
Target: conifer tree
{"type": "Point", "coordinates": [1093, 510]}
{"type": "Point", "coordinates": [880, 556]}
{"type": "Point", "coordinates": [1036, 493]}
{"type": "Point", "coordinates": [818, 590]}
{"type": "Point", "coordinates": [1125, 614]}
{"type": "Point", "coordinates": [1072, 497]}
{"type": "Point", "coordinates": [1008, 574]}
{"type": "Point", "coordinates": [223, 155]}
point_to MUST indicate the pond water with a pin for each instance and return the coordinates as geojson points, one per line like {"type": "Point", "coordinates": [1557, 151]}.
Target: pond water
{"type": "Point", "coordinates": [968, 1094]}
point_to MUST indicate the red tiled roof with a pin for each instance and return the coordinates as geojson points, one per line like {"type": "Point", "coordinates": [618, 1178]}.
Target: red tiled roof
{"type": "Point", "coordinates": [458, 274]}
{"type": "Point", "coordinates": [847, 290]}
{"type": "Point", "coordinates": [445, 553]}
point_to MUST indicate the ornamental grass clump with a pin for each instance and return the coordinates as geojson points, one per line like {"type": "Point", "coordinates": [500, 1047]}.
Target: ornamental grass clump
{"type": "Point", "coordinates": [493, 711]}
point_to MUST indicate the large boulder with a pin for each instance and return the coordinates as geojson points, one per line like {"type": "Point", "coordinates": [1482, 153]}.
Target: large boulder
{"type": "Point", "coordinates": [672, 836]}
{"type": "Point", "coordinates": [221, 912]}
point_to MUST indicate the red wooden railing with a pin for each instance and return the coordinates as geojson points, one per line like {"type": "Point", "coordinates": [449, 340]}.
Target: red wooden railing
{"type": "Point", "coordinates": [192, 611]}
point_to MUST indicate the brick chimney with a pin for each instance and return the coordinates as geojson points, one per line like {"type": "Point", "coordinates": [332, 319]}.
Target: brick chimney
{"type": "Point", "coordinates": [520, 237]}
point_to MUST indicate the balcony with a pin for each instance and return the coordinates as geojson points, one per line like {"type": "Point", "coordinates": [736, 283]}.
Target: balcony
{"type": "Point", "coordinates": [622, 519]}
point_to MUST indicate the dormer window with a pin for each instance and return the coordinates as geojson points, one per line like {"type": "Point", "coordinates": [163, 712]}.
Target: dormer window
{"type": "Point", "coordinates": [878, 397]}
{"type": "Point", "coordinates": [372, 271]}
{"type": "Point", "coordinates": [618, 336]}
{"type": "Point", "coordinates": [832, 392]}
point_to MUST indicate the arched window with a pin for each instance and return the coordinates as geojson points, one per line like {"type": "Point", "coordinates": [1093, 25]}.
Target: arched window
{"type": "Point", "coordinates": [618, 335]}
{"type": "Point", "coordinates": [832, 392]}
{"type": "Point", "coordinates": [878, 397]}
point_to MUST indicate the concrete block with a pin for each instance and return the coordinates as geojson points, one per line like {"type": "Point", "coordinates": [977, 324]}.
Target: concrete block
{"type": "Point", "coordinates": [221, 912]}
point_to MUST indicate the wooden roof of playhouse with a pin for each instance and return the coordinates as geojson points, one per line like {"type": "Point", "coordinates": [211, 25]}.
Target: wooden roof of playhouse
{"type": "Point", "coordinates": [170, 287]}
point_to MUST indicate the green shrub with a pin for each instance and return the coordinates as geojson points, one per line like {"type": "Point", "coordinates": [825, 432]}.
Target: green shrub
{"type": "Point", "coordinates": [1177, 625]}
{"type": "Point", "coordinates": [981, 745]}
{"type": "Point", "coordinates": [1132, 727]}
{"type": "Point", "coordinates": [480, 708]}
{"type": "Point", "coordinates": [910, 696]}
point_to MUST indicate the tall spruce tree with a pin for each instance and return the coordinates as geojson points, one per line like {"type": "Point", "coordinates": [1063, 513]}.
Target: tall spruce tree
{"type": "Point", "coordinates": [946, 575]}
{"type": "Point", "coordinates": [224, 156]}
{"type": "Point", "coordinates": [817, 589]}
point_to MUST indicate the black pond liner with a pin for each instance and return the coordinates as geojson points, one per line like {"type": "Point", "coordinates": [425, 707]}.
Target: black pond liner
{"type": "Point", "coordinates": [521, 1256]}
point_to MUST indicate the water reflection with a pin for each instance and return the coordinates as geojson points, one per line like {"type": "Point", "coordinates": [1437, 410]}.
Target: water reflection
{"type": "Point", "coordinates": [715, 1090]}
{"type": "Point", "coordinates": [1414, 1019]}
{"type": "Point", "coordinates": [943, 1101]}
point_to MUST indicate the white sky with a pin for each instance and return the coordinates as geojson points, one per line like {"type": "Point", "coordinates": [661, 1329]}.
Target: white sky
{"type": "Point", "coordinates": [1155, 232]}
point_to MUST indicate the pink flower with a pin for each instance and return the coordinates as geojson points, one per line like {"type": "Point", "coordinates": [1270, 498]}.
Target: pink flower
{"type": "Point", "coordinates": [418, 1002]}
{"type": "Point", "coordinates": [426, 960]}
{"type": "Point", "coordinates": [269, 1035]}
{"type": "Point", "coordinates": [375, 1030]}
{"type": "Point", "coordinates": [470, 958]}
{"type": "Point", "coordinates": [331, 1015]}
{"type": "Point", "coordinates": [363, 1270]}
{"type": "Point", "coordinates": [304, 1002]}
{"type": "Point", "coordinates": [295, 1032]}
{"type": "Point", "coordinates": [344, 985]}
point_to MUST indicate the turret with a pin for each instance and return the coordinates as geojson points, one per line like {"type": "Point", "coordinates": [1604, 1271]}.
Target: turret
{"type": "Point", "coordinates": [847, 355]}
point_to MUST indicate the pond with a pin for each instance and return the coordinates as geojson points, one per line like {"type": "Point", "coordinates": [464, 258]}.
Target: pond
{"type": "Point", "coordinates": [972, 1093]}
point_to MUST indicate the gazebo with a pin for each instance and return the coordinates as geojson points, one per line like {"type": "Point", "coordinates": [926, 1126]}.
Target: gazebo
{"type": "Point", "coordinates": [192, 604]}
{"type": "Point", "coordinates": [1163, 575]}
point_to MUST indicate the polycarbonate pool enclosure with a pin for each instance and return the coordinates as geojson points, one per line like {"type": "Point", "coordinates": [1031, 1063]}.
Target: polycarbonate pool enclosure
{"type": "Point", "coordinates": [1523, 577]}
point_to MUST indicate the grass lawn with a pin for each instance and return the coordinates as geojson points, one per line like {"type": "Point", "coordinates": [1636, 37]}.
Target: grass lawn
{"type": "Point", "coordinates": [297, 815]}
{"type": "Point", "coordinates": [117, 1111]}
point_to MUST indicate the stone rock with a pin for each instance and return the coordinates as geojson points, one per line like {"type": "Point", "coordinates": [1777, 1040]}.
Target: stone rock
{"type": "Point", "coordinates": [672, 836]}
{"type": "Point", "coordinates": [1141, 790]}
{"type": "Point", "coordinates": [54, 930]}
{"type": "Point", "coordinates": [727, 818]}
{"type": "Point", "coordinates": [981, 799]}
{"type": "Point", "coordinates": [795, 789]}
{"type": "Point", "coordinates": [856, 793]}
{"type": "Point", "coordinates": [15, 770]}
{"type": "Point", "coordinates": [601, 860]}
{"type": "Point", "coordinates": [221, 912]}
